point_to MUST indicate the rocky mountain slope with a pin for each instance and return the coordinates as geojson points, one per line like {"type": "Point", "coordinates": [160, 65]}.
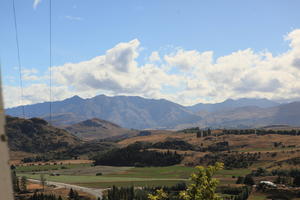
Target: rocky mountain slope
{"type": "Point", "coordinates": [140, 113]}
{"type": "Point", "coordinates": [127, 111]}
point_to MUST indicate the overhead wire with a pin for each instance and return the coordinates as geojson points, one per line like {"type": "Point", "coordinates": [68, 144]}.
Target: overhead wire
{"type": "Point", "coordinates": [19, 60]}
{"type": "Point", "coordinates": [50, 61]}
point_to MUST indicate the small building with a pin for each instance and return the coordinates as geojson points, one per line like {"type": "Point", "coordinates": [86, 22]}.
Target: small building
{"type": "Point", "coordinates": [268, 183]}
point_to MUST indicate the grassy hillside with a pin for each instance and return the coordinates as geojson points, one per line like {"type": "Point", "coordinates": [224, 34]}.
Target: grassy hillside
{"type": "Point", "coordinates": [95, 128]}
{"type": "Point", "coordinates": [36, 136]}
{"type": "Point", "coordinates": [35, 140]}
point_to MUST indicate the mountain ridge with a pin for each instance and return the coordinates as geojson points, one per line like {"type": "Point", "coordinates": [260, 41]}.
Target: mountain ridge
{"type": "Point", "coordinates": [127, 111]}
{"type": "Point", "coordinates": [133, 112]}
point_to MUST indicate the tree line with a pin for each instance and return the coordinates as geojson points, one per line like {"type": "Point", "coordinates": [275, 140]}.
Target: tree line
{"type": "Point", "coordinates": [137, 155]}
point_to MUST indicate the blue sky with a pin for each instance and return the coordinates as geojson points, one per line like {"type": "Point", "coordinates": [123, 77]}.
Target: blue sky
{"type": "Point", "coordinates": [83, 30]}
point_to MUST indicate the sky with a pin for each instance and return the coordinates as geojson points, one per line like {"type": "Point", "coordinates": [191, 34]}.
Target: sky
{"type": "Point", "coordinates": [184, 51]}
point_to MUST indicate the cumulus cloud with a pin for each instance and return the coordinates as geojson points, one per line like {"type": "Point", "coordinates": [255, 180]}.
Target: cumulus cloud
{"type": "Point", "coordinates": [117, 71]}
{"type": "Point", "coordinates": [183, 76]}
{"type": "Point", "coordinates": [36, 3]}
{"type": "Point", "coordinates": [187, 60]}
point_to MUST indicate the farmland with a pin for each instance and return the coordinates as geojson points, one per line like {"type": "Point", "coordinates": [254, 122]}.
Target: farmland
{"type": "Point", "coordinates": [241, 154]}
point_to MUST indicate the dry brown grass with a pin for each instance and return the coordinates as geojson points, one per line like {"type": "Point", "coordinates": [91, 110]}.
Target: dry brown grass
{"type": "Point", "coordinates": [19, 155]}
{"type": "Point", "coordinates": [63, 192]}
{"type": "Point", "coordinates": [263, 144]}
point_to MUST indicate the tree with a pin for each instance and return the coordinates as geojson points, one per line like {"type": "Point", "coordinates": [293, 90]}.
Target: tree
{"type": "Point", "coordinates": [240, 180]}
{"type": "Point", "coordinates": [160, 195]}
{"type": "Point", "coordinates": [15, 181]}
{"type": "Point", "coordinates": [208, 132]}
{"type": "Point", "coordinates": [296, 181]}
{"type": "Point", "coordinates": [76, 195]}
{"type": "Point", "coordinates": [43, 181]}
{"type": "Point", "coordinates": [24, 183]}
{"type": "Point", "coordinates": [203, 186]}
{"type": "Point", "coordinates": [71, 194]}
{"type": "Point", "coordinates": [249, 180]}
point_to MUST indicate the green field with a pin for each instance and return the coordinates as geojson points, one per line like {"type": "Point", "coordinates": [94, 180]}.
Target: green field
{"type": "Point", "coordinates": [85, 175]}
{"type": "Point", "coordinates": [92, 179]}
{"type": "Point", "coordinates": [120, 176]}
{"type": "Point", "coordinates": [172, 172]}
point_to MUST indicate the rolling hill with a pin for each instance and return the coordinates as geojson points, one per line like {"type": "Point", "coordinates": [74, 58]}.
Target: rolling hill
{"type": "Point", "coordinates": [98, 129]}
{"type": "Point", "coordinates": [32, 137]}
{"type": "Point", "coordinates": [37, 136]}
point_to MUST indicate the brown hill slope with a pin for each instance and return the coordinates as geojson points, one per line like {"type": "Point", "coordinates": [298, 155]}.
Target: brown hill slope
{"type": "Point", "coordinates": [37, 136]}
{"type": "Point", "coordinates": [98, 129]}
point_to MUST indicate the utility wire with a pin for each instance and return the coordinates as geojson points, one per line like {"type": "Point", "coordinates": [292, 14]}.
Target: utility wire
{"type": "Point", "coordinates": [19, 59]}
{"type": "Point", "coordinates": [50, 61]}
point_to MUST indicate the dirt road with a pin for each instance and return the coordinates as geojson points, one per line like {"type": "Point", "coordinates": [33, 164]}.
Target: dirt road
{"type": "Point", "coordinates": [92, 191]}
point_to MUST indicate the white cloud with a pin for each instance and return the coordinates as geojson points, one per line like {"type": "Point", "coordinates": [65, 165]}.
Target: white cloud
{"type": "Point", "coordinates": [36, 3]}
{"type": "Point", "coordinates": [188, 60]}
{"type": "Point", "coordinates": [73, 18]}
{"type": "Point", "coordinates": [154, 57]}
{"type": "Point", "coordinates": [184, 76]}
{"type": "Point", "coordinates": [117, 71]}
{"type": "Point", "coordinates": [30, 75]}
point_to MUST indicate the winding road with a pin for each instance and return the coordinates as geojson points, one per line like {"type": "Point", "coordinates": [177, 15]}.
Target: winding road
{"type": "Point", "coordinates": [92, 191]}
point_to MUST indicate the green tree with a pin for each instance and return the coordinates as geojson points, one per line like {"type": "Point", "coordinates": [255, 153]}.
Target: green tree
{"type": "Point", "coordinates": [43, 181]}
{"type": "Point", "coordinates": [249, 180]}
{"type": "Point", "coordinates": [76, 195]}
{"type": "Point", "coordinates": [24, 183]}
{"type": "Point", "coordinates": [71, 194]}
{"type": "Point", "coordinates": [296, 181]}
{"type": "Point", "coordinates": [15, 181]}
{"type": "Point", "coordinates": [160, 195]}
{"type": "Point", "coordinates": [203, 186]}
{"type": "Point", "coordinates": [240, 180]}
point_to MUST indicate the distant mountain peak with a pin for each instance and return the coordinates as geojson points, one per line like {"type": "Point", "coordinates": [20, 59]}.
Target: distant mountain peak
{"type": "Point", "coordinates": [96, 122]}
{"type": "Point", "coordinates": [75, 97]}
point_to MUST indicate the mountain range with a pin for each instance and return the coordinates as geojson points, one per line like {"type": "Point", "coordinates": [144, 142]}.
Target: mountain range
{"type": "Point", "coordinates": [230, 104]}
{"type": "Point", "coordinates": [133, 112]}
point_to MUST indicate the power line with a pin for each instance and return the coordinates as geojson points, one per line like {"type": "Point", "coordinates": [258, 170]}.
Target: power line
{"type": "Point", "coordinates": [19, 59]}
{"type": "Point", "coordinates": [50, 61]}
